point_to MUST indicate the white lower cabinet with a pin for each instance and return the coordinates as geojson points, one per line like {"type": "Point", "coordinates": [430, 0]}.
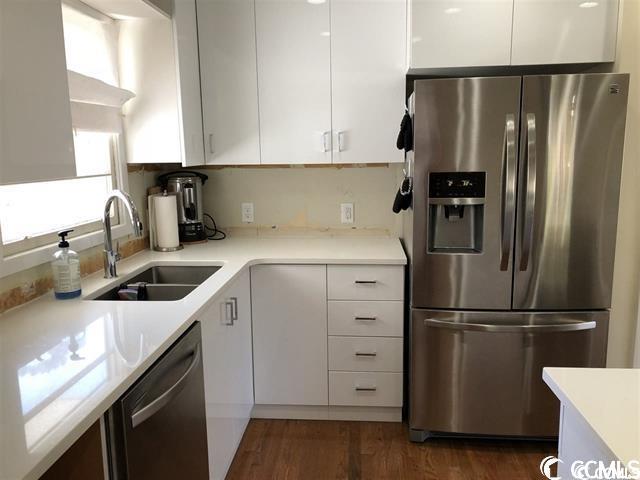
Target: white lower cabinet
{"type": "Point", "coordinates": [365, 282]}
{"type": "Point", "coordinates": [366, 318]}
{"type": "Point", "coordinates": [317, 358]}
{"type": "Point", "coordinates": [290, 334]}
{"type": "Point", "coordinates": [370, 389]}
{"type": "Point", "coordinates": [227, 361]}
{"type": "Point", "coordinates": [578, 442]}
{"type": "Point", "coordinates": [365, 354]}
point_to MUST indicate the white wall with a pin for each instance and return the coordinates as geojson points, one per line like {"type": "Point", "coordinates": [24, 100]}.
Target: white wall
{"type": "Point", "coordinates": [305, 199]}
{"type": "Point", "coordinates": [626, 281]}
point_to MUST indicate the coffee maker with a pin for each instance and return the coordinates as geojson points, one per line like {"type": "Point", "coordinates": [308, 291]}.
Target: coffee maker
{"type": "Point", "coordinates": [187, 185]}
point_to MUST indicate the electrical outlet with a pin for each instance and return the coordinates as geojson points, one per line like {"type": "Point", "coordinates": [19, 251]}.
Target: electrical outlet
{"type": "Point", "coordinates": [346, 212]}
{"type": "Point", "coordinates": [247, 213]}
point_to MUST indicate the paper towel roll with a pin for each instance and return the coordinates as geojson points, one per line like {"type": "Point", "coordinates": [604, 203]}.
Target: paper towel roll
{"type": "Point", "coordinates": [166, 216]}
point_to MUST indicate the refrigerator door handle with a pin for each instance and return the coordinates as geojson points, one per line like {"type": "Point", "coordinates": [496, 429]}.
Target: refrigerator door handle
{"type": "Point", "coordinates": [508, 203]}
{"type": "Point", "coordinates": [572, 326]}
{"type": "Point", "coordinates": [530, 192]}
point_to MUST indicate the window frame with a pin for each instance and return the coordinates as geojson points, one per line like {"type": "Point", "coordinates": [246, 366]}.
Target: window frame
{"type": "Point", "coordinates": [10, 264]}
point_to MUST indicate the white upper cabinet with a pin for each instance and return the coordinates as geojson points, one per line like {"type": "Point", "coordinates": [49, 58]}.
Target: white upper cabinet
{"type": "Point", "coordinates": [567, 31]}
{"type": "Point", "coordinates": [159, 62]}
{"type": "Point", "coordinates": [450, 33]}
{"type": "Point", "coordinates": [185, 36]}
{"type": "Point", "coordinates": [226, 31]}
{"type": "Point", "coordinates": [447, 33]}
{"type": "Point", "coordinates": [368, 67]}
{"type": "Point", "coordinates": [151, 122]}
{"type": "Point", "coordinates": [294, 81]}
{"type": "Point", "coordinates": [36, 139]}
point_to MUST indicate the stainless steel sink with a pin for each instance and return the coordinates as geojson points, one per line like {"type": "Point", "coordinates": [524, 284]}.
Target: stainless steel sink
{"type": "Point", "coordinates": [174, 274]}
{"type": "Point", "coordinates": [164, 282]}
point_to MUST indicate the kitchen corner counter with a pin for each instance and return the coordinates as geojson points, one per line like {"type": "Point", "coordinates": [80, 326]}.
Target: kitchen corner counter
{"type": "Point", "coordinates": [63, 363]}
{"type": "Point", "coordinates": [608, 400]}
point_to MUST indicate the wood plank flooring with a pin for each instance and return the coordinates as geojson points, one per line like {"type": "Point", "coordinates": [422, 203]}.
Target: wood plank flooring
{"type": "Point", "coordinates": [301, 449]}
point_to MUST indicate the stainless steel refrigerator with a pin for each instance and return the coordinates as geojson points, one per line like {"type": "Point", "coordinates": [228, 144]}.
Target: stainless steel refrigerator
{"type": "Point", "coordinates": [516, 184]}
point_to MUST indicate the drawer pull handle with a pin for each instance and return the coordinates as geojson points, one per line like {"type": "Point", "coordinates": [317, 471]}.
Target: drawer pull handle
{"type": "Point", "coordinates": [365, 389]}
{"type": "Point", "coordinates": [366, 354]}
{"type": "Point", "coordinates": [366, 282]}
{"type": "Point", "coordinates": [368, 319]}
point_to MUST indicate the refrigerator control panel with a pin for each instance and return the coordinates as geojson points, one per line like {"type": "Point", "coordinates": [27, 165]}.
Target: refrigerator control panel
{"type": "Point", "coordinates": [457, 184]}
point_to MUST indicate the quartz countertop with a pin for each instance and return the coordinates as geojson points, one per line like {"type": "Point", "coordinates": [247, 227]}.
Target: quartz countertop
{"type": "Point", "coordinates": [63, 363]}
{"type": "Point", "coordinates": [609, 401]}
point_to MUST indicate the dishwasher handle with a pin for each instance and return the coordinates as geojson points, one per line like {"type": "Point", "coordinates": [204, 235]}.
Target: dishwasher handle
{"type": "Point", "coordinates": [155, 406]}
{"type": "Point", "coordinates": [572, 326]}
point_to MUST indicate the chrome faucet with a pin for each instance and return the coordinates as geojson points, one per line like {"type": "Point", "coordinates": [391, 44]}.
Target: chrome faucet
{"type": "Point", "coordinates": [111, 257]}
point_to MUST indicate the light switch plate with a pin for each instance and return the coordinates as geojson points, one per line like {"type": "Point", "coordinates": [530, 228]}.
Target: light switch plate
{"type": "Point", "coordinates": [346, 212]}
{"type": "Point", "coordinates": [247, 213]}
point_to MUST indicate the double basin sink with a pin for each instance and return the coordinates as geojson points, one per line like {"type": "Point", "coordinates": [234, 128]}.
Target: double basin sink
{"type": "Point", "coordinates": [164, 282]}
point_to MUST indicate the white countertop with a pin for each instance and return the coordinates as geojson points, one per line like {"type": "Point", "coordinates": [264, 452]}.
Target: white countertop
{"type": "Point", "coordinates": [608, 399]}
{"type": "Point", "coordinates": [63, 363]}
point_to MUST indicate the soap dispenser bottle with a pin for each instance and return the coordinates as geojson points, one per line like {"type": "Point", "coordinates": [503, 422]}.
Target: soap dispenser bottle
{"type": "Point", "coordinates": [66, 270]}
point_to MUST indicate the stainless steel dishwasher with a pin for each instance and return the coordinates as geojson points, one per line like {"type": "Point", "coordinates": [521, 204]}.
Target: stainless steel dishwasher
{"type": "Point", "coordinates": [157, 429]}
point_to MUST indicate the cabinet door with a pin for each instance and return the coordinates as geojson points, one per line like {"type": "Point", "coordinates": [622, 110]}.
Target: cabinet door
{"type": "Point", "coordinates": [228, 372]}
{"type": "Point", "coordinates": [226, 32]}
{"type": "Point", "coordinates": [570, 31]}
{"type": "Point", "coordinates": [290, 334]}
{"type": "Point", "coordinates": [460, 34]}
{"type": "Point", "coordinates": [185, 35]}
{"type": "Point", "coordinates": [36, 141]}
{"type": "Point", "coordinates": [294, 81]}
{"type": "Point", "coordinates": [148, 68]}
{"type": "Point", "coordinates": [368, 67]}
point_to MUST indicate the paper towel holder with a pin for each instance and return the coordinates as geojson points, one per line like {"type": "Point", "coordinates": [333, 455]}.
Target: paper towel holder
{"type": "Point", "coordinates": [152, 225]}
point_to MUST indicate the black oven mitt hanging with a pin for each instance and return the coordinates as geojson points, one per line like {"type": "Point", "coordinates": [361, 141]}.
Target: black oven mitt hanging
{"type": "Point", "coordinates": [403, 196]}
{"type": "Point", "coordinates": [405, 137]}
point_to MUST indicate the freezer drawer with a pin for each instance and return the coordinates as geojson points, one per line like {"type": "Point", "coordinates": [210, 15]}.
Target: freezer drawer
{"type": "Point", "coordinates": [480, 373]}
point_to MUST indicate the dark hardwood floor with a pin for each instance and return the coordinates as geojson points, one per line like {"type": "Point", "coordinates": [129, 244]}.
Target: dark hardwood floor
{"type": "Point", "coordinates": [297, 449]}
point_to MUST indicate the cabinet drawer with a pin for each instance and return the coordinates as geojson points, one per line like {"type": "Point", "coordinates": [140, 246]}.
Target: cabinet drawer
{"type": "Point", "coordinates": [365, 389]}
{"type": "Point", "coordinates": [369, 319]}
{"type": "Point", "coordinates": [365, 282]}
{"type": "Point", "coordinates": [365, 354]}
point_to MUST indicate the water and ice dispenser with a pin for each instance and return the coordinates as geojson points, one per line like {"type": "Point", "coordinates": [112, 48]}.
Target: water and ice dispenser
{"type": "Point", "coordinates": [456, 212]}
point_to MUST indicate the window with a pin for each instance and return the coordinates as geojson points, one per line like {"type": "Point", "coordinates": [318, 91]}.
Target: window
{"type": "Point", "coordinates": [32, 213]}
{"type": "Point", "coordinates": [78, 202]}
